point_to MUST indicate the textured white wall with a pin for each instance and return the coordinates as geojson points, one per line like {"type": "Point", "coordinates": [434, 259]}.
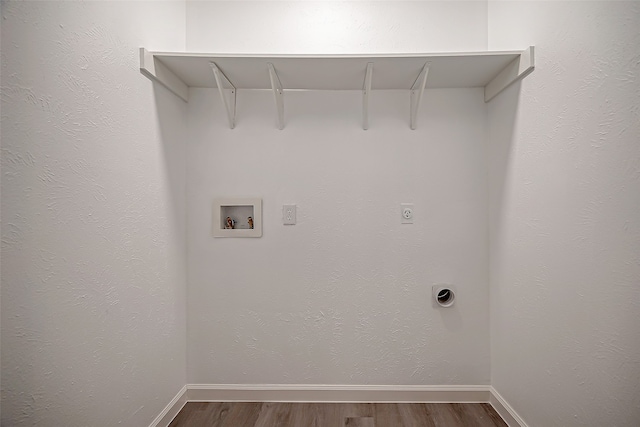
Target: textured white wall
{"type": "Point", "coordinates": [1, 59]}
{"type": "Point", "coordinates": [335, 26]}
{"type": "Point", "coordinates": [343, 297]}
{"type": "Point", "coordinates": [565, 221]}
{"type": "Point", "coordinates": [93, 212]}
{"type": "Point", "coordinates": [93, 230]}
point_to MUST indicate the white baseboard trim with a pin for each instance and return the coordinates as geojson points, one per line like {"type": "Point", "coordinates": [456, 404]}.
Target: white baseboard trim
{"type": "Point", "coordinates": [171, 410]}
{"type": "Point", "coordinates": [336, 393]}
{"type": "Point", "coordinates": [508, 414]}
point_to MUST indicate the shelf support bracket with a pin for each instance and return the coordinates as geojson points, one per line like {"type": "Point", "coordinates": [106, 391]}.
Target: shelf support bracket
{"type": "Point", "coordinates": [156, 71]}
{"type": "Point", "coordinates": [517, 70]}
{"type": "Point", "coordinates": [278, 94]}
{"type": "Point", "coordinates": [229, 105]}
{"type": "Point", "coordinates": [416, 94]}
{"type": "Point", "coordinates": [366, 90]}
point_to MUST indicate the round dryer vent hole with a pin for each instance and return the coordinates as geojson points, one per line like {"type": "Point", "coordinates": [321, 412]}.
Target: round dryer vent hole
{"type": "Point", "coordinates": [444, 295]}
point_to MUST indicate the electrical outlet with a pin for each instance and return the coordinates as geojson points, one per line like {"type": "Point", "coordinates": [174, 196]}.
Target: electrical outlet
{"type": "Point", "coordinates": [406, 210]}
{"type": "Point", "coordinates": [289, 214]}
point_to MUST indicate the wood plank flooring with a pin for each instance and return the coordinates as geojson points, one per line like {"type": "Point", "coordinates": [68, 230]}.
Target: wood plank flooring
{"type": "Point", "coordinates": [240, 414]}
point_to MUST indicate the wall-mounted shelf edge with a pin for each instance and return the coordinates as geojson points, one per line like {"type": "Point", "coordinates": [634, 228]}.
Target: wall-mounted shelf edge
{"type": "Point", "coordinates": [518, 69]}
{"type": "Point", "coordinates": [494, 71]}
{"type": "Point", "coordinates": [156, 71]}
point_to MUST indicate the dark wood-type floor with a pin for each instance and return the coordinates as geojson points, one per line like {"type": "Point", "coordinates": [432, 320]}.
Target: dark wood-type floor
{"type": "Point", "coordinates": [197, 414]}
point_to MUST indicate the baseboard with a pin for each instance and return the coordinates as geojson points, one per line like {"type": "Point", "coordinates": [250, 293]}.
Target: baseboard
{"type": "Point", "coordinates": [335, 393]}
{"type": "Point", "coordinates": [508, 414]}
{"type": "Point", "coordinates": [171, 410]}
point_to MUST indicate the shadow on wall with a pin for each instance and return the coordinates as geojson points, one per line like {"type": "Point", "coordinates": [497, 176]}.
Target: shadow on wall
{"type": "Point", "coordinates": [451, 318]}
{"type": "Point", "coordinates": [502, 115]}
{"type": "Point", "coordinates": [172, 119]}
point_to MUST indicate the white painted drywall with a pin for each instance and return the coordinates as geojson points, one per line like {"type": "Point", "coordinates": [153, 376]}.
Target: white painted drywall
{"type": "Point", "coordinates": [1, 59]}
{"type": "Point", "coordinates": [93, 210]}
{"type": "Point", "coordinates": [343, 297]}
{"type": "Point", "coordinates": [565, 215]}
{"type": "Point", "coordinates": [333, 27]}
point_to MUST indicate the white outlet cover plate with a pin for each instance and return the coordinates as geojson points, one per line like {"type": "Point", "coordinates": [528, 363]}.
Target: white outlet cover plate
{"type": "Point", "coordinates": [289, 214]}
{"type": "Point", "coordinates": [406, 213]}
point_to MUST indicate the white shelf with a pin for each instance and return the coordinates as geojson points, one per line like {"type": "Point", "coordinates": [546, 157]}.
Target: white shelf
{"type": "Point", "coordinates": [494, 71]}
